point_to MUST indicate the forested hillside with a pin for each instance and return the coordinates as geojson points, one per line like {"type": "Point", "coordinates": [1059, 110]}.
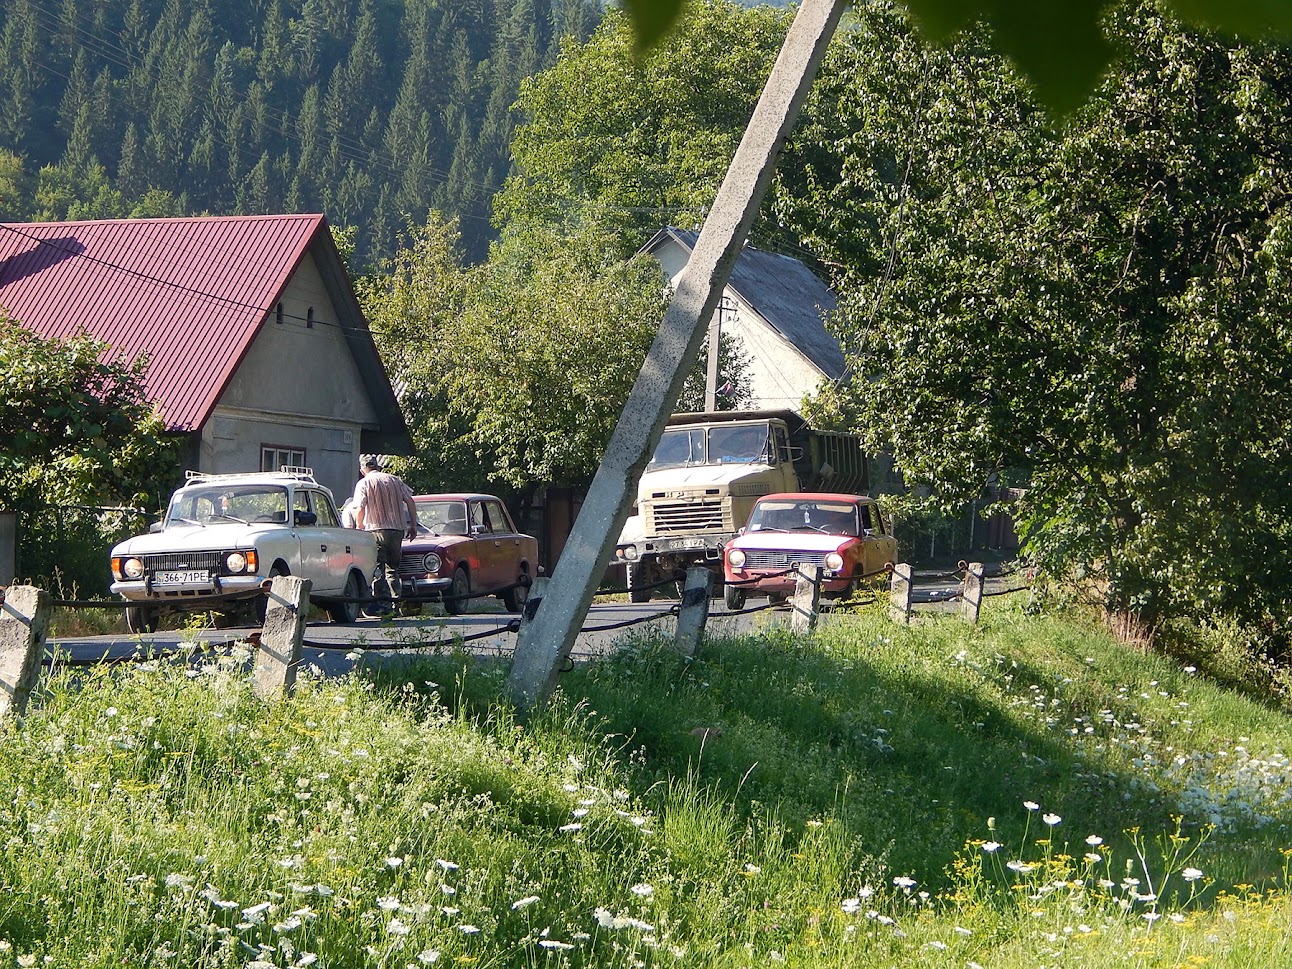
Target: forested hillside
{"type": "Point", "coordinates": [366, 110]}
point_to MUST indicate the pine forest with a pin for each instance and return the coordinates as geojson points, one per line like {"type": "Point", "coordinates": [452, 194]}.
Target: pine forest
{"type": "Point", "coordinates": [371, 111]}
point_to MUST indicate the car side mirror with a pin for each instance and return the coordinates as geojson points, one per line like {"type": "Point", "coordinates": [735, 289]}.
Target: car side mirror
{"type": "Point", "coordinates": [156, 527]}
{"type": "Point", "coordinates": [477, 529]}
{"type": "Point", "coordinates": [304, 517]}
{"type": "Point", "coordinates": [740, 531]}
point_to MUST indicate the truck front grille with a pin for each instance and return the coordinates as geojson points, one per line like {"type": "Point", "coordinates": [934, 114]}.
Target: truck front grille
{"type": "Point", "coordinates": [694, 516]}
{"type": "Point", "coordinates": [183, 561]}
{"type": "Point", "coordinates": [776, 559]}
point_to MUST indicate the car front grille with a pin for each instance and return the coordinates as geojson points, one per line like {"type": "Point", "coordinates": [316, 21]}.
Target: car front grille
{"type": "Point", "coordinates": [184, 561]}
{"type": "Point", "coordinates": [776, 559]}
{"type": "Point", "coordinates": [412, 567]}
{"type": "Point", "coordinates": [692, 516]}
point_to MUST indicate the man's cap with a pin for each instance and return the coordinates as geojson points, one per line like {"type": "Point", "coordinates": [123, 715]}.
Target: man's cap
{"type": "Point", "coordinates": [370, 461]}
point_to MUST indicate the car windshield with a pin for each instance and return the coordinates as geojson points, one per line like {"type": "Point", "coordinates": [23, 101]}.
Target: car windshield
{"type": "Point", "coordinates": [831, 517]}
{"type": "Point", "coordinates": [683, 447]}
{"type": "Point", "coordinates": [442, 517]}
{"type": "Point", "coordinates": [222, 503]}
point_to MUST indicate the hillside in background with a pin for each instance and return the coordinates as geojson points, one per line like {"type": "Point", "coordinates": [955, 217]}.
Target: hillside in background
{"type": "Point", "coordinates": [367, 110]}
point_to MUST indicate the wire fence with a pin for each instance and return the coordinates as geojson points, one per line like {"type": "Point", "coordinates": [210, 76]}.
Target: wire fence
{"type": "Point", "coordinates": [511, 626]}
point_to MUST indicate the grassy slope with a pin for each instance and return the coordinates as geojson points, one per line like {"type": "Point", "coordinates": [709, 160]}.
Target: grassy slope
{"type": "Point", "coordinates": [754, 805]}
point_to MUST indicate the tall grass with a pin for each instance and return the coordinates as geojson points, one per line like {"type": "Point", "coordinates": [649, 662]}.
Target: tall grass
{"type": "Point", "coordinates": [1020, 793]}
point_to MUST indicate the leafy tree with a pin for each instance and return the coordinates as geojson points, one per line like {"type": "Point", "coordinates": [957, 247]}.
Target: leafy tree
{"type": "Point", "coordinates": [1101, 306]}
{"type": "Point", "coordinates": [77, 432]}
{"type": "Point", "coordinates": [631, 143]}
{"type": "Point", "coordinates": [1059, 45]}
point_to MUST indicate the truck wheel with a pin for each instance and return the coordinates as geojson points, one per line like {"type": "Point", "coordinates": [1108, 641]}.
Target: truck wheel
{"type": "Point", "coordinates": [637, 576]}
{"type": "Point", "coordinates": [734, 596]}
{"type": "Point", "coordinates": [141, 619]}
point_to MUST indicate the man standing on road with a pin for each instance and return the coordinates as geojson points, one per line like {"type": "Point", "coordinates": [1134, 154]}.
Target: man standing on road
{"type": "Point", "coordinates": [384, 505]}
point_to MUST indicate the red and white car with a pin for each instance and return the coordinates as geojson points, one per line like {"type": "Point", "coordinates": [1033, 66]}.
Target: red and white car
{"type": "Point", "coordinates": [467, 543]}
{"type": "Point", "coordinates": [844, 535]}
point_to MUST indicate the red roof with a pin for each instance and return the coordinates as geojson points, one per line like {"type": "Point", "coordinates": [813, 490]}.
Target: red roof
{"type": "Point", "coordinates": [190, 293]}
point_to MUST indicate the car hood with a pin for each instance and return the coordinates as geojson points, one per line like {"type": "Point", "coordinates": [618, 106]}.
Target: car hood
{"type": "Point", "coordinates": [185, 538]}
{"type": "Point", "coordinates": [803, 541]}
{"type": "Point", "coordinates": [434, 543]}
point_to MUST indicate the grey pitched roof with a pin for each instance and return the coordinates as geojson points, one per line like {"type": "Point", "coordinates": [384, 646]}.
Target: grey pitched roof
{"type": "Point", "coordinates": [783, 291]}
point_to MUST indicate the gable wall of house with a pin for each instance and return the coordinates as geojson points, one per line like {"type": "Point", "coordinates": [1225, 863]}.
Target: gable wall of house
{"type": "Point", "coordinates": [779, 374]}
{"type": "Point", "coordinates": [298, 389]}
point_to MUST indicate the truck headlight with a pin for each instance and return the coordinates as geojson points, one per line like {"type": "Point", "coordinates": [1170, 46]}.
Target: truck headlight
{"type": "Point", "coordinates": [629, 552]}
{"type": "Point", "coordinates": [834, 561]}
{"type": "Point", "coordinates": [431, 561]}
{"type": "Point", "coordinates": [736, 558]}
{"type": "Point", "coordinates": [132, 568]}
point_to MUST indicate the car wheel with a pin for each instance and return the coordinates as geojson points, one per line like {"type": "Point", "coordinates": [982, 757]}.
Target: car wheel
{"type": "Point", "coordinates": [734, 595]}
{"type": "Point", "coordinates": [262, 602]}
{"type": "Point", "coordinates": [516, 597]}
{"type": "Point", "coordinates": [454, 603]}
{"type": "Point", "coordinates": [637, 576]}
{"type": "Point", "coordinates": [347, 611]}
{"type": "Point", "coordinates": [141, 619]}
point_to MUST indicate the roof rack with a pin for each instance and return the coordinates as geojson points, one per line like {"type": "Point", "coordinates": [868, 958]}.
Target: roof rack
{"type": "Point", "coordinates": [305, 475]}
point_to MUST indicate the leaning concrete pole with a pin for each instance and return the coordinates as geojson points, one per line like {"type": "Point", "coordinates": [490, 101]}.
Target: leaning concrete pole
{"type": "Point", "coordinates": [545, 642]}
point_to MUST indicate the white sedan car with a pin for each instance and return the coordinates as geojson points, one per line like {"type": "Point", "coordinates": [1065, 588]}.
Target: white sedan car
{"type": "Point", "coordinates": [225, 536]}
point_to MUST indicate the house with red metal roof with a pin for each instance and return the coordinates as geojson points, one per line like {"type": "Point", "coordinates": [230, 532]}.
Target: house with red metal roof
{"type": "Point", "coordinates": [258, 352]}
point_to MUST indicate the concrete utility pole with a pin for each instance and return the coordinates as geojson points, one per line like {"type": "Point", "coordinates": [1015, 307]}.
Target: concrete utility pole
{"type": "Point", "coordinates": [544, 643]}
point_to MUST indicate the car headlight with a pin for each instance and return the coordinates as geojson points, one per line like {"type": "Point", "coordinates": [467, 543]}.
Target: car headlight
{"type": "Point", "coordinates": [834, 561]}
{"type": "Point", "coordinates": [736, 558]}
{"type": "Point", "coordinates": [132, 568]}
{"type": "Point", "coordinates": [431, 561]}
{"type": "Point", "coordinates": [629, 552]}
{"type": "Point", "coordinates": [239, 562]}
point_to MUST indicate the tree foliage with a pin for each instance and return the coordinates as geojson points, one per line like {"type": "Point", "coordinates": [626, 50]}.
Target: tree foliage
{"type": "Point", "coordinates": [76, 425]}
{"type": "Point", "coordinates": [1101, 307]}
{"type": "Point", "coordinates": [369, 111]}
{"type": "Point", "coordinates": [631, 143]}
{"type": "Point", "coordinates": [1060, 46]}
{"type": "Point", "coordinates": [82, 448]}
{"type": "Point", "coordinates": [512, 373]}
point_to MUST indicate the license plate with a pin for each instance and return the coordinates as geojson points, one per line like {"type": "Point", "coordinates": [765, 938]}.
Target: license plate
{"type": "Point", "coordinates": [686, 543]}
{"type": "Point", "coordinates": [198, 577]}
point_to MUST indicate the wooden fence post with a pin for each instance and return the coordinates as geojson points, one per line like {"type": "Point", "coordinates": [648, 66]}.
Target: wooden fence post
{"type": "Point", "coordinates": [806, 599]}
{"type": "Point", "coordinates": [24, 621]}
{"type": "Point", "coordinates": [900, 594]}
{"type": "Point", "coordinates": [694, 613]}
{"type": "Point", "coordinates": [971, 595]}
{"type": "Point", "coordinates": [281, 636]}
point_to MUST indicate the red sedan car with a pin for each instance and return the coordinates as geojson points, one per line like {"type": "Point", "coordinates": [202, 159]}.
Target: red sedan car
{"type": "Point", "coordinates": [845, 535]}
{"type": "Point", "coordinates": [467, 543]}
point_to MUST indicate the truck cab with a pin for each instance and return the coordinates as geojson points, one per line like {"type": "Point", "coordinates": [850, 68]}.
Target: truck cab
{"type": "Point", "coordinates": [705, 476]}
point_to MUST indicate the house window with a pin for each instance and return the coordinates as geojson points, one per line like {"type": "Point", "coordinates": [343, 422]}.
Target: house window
{"type": "Point", "coordinates": [273, 457]}
{"type": "Point", "coordinates": [309, 318]}
{"type": "Point", "coordinates": [278, 314]}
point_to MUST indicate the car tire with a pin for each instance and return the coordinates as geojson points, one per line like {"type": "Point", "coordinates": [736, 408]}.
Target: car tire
{"type": "Point", "coordinates": [262, 602]}
{"type": "Point", "coordinates": [734, 596]}
{"type": "Point", "coordinates": [141, 619]}
{"type": "Point", "coordinates": [637, 576]}
{"type": "Point", "coordinates": [347, 612]}
{"type": "Point", "coordinates": [461, 586]}
{"type": "Point", "coordinates": [516, 597]}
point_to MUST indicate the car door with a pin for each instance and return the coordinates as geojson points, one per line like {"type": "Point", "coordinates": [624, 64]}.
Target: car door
{"type": "Point", "coordinates": [313, 542]}
{"type": "Point", "coordinates": [337, 541]}
{"type": "Point", "coordinates": [879, 546]}
{"type": "Point", "coordinates": [509, 543]}
{"type": "Point", "coordinates": [489, 551]}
